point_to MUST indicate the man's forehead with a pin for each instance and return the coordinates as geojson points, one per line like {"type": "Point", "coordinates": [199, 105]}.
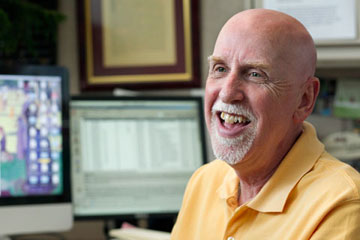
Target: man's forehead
{"type": "Point", "coordinates": [251, 48]}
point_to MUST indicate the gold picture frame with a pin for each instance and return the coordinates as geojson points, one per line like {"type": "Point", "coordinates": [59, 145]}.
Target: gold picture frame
{"type": "Point", "coordinates": [138, 44]}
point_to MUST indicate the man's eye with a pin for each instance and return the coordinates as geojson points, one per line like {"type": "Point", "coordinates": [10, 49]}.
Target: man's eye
{"type": "Point", "coordinates": [220, 69]}
{"type": "Point", "coordinates": [255, 74]}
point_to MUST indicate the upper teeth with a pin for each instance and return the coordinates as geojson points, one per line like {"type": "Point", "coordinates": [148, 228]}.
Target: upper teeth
{"type": "Point", "coordinates": [228, 118]}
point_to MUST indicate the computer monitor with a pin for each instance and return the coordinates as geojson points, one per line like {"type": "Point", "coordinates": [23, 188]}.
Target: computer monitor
{"type": "Point", "coordinates": [133, 156]}
{"type": "Point", "coordinates": [34, 150]}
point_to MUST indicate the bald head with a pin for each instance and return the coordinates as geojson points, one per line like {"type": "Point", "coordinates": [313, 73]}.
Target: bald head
{"type": "Point", "coordinates": [279, 33]}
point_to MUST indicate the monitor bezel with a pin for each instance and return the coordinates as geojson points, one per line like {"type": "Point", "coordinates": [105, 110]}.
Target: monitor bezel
{"type": "Point", "coordinates": [97, 97]}
{"type": "Point", "coordinates": [44, 70]}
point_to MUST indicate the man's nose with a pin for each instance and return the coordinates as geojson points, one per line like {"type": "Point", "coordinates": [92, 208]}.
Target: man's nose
{"type": "Point", "coordinates": [232, 89]}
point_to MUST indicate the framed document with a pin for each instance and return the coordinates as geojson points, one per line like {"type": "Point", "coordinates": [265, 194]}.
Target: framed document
{"type": "Point", "coordinates": [330, 22]}
{"type": "Point", "coordinates": [138, 44]}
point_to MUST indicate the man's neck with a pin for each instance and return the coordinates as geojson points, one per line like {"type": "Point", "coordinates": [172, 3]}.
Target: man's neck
{"type": "Point", "coordinates": [254, 176]}
{"type": "Point", "coordinates": [249, 188]}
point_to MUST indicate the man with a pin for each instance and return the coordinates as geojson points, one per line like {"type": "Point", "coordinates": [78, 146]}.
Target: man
{"type": "Point", "coordinates": [274, 179]}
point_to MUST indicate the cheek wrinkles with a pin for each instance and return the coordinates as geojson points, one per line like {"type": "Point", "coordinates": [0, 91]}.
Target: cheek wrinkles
{"type": "Point", "coordinates": [277, 87]}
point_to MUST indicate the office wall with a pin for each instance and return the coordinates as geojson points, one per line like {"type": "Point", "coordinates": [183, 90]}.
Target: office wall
{"type": "Point", "coordinates": [68, 54]}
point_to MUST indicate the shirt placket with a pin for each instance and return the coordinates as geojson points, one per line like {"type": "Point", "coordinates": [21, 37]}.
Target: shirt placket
{"type": "Point", "coordinates": [236, 221]}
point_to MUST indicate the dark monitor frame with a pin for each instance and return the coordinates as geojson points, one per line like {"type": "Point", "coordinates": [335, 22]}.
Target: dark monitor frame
{"type": "Point", "coordinates": [38, 70]}
{"type": "Point", "coordinates": [150, 216]}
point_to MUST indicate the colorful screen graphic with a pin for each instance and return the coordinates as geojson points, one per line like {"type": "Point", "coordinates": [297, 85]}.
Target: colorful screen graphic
{"type": "Point", "coordinates": [30, 135]}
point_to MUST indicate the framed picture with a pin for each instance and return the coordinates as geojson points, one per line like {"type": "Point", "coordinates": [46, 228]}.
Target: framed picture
{"type": "Point", "coordinates": [138, 44]}
{"type": "Point", "coordinates": [330, 22]}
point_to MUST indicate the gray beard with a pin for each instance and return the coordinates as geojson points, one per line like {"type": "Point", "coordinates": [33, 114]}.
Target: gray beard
{"type": "Point", "coordinates": [231, 150]}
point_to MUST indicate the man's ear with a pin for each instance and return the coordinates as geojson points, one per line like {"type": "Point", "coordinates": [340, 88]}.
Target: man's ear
{"type": "Point", "coordinates": [307, 100]}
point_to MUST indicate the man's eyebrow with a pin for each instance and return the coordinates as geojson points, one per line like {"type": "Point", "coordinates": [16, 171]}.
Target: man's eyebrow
{"type": "Point", "coordinates": [259, 65]}
{"type": "Point", "coordinates": [250, 64]}
{"type": "Point", "coordinates": [213, 58]}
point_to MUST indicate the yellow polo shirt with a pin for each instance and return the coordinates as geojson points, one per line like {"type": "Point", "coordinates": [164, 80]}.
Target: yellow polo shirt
{"type": "Point", "coordinates": [310, 196]}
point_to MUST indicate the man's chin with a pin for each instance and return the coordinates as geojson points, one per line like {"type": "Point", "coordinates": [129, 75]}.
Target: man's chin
{"type": "Point", "coordinates": [231, 155]}
{"type": "Point", "coordinates": [231, 151]}
{"type": "Point", "coordinates": [230, 162]}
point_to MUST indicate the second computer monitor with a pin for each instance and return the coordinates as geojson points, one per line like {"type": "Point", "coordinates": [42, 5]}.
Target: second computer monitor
{"type": "Point", "coordinates": [34, 150]}
{"type": "Point", "coordinates": [134, 155]}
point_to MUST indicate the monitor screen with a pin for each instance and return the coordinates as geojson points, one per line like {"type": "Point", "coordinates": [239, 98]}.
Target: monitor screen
{"type": "Point", "coordinates": [134, 155]}
{"type": "Point", "coordinates": [34, 150]}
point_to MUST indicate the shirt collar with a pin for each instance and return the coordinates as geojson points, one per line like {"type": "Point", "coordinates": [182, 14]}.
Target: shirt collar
{"type": "Point", "coordinates": [230, 185]}
{"type": "Point", "coordinates": [299, 160]}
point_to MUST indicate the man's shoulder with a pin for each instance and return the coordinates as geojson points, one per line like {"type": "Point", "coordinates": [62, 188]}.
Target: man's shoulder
{"type": "Point", "coordinates": [336, 176]}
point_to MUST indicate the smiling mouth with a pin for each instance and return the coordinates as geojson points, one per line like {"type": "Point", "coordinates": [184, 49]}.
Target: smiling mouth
{"type": "Point", "coordinates": [229, 118]}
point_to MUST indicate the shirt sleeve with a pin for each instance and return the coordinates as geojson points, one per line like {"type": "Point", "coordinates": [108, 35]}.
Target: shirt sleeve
{"type": "Point", "coordinates": [342, 223]}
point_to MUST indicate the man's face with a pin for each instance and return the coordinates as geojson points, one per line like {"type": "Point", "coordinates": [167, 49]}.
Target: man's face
{"type": "Point", "coordinates": [250, 97]}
